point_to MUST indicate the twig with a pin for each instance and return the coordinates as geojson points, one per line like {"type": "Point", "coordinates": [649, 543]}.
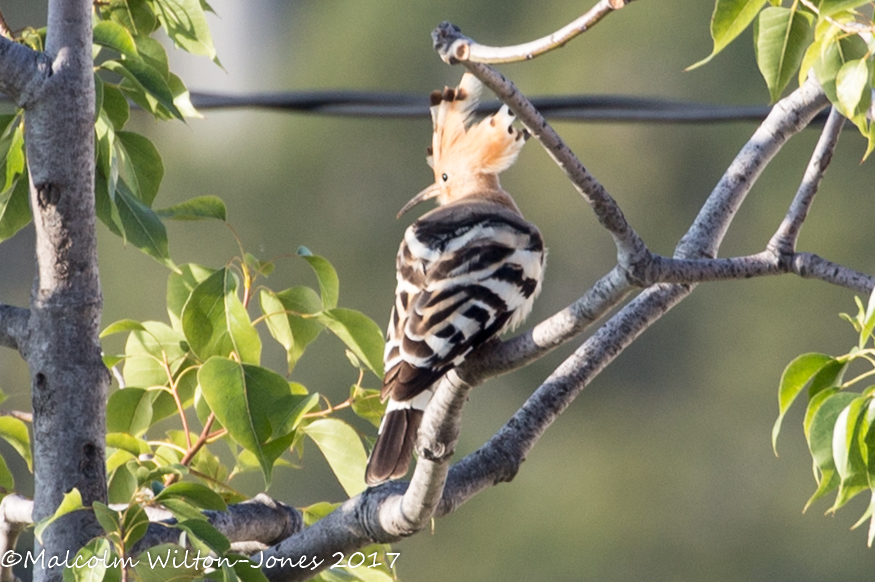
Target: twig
{"type": "Point", "coordinates": [460, 48]}
{"type": "Point", "coordinates": [193, 448]}
{"type": "Point", "coordinates": [20, 415]}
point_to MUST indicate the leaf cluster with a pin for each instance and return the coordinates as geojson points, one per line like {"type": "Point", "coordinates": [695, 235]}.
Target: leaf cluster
{"type": "Point", "coordinates": [831, 39]}
{"type": "Point", "coordinates": [130, 66]}
{"type": "Point", "coordinates": [204, 367]}
{"type": "Point", "coordinates": [839, 423]}
{"type": "Point", "coordinates": [192, 391]}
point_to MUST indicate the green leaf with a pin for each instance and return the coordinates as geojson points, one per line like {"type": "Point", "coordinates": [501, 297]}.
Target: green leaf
{"type": "Point", "coordinates": [7, 481]}
{"type": "Point", "coordinates": [186, 25]}
{"type": "Point", "coordinates": [729, 19]}
{"type": "Point", "coordinates": [359, 333]}
{"type": "Point", "coordinates": [135, 524]}
{"type": "Point", "coordinates": [180, 284]}
{"type": "Point", "coordinates": [283, 314]}
{"type": "Point", "coordinates": [343, 450]}
{"type": "Point", "coordinates": [14, 432]}
{"type": "Point", "coordinates": [122, 484]}
{"type": "Point", "coordinates": [182, 97]}
{"type": "Point", "coordinates": [834, 54]}
{"type": "Point", "coordinates": [157, 565]}
{"type": "Point", "coordinates": [822, 428]}
{"type": "Point", "coordinates": [114, 36]}
{"type": "Point", "coordinates": [155, 55]}
{"type": "Point", "coordinates": [109, 519]}
{"type": "Point", "coordinates": [291, 420]}
{"type": "Point", "coordinates": [127, 443]}
{"type": "Point", "coordinates": [196, 209]}
{"type": "Point", "coordinates": [130, 411]}
{"type": "Point", "coordinates": [244, 569]}
{"type": "Point", "coordinates": [142, 20]}
{"type": "Point", "coordinates": [781, 36]}
{"type": "Point", "coordinates": [14, 209]}
{"type": "Point", "coordinates": [244, 400]}
{"type": "Point", "coordinates": [98, 95]}
{"type": "Point", "coordinates": [195, 494]}
{"type": "Point", "coordinates": [11, 155]}
{"type": "Point", "coordinates": [146, 352]}
{"type": "Point", "coordinates": [845, 445]}
{"type": "Point", "coordinates": [122, 325]}
{"type": "Point", "coordinates": [71, 502]}
{"type": "Point", "coordinates": [329, 284]}
{"type": "Point", "coordinates": [796, 376]}
{"type": "Point", "coordinates": [146, 167]}
{"type": "Point", "coordinates": [143, 228]}
{"type": "Point", "coordinates": [853, 88]}
{"type": "Point", "coordinates": [116, 107]}
{"type": "Point", "coordinates": [831, 7]}
{"type": "Point", "coordinates": [146, 85]}
{"type": "Point", "coordinates": [366, 403]}
{"type": "Point", "coordinates": [203, 531]}
{"type": "Point", "coordinates": [96, 559]}
{"type": "Point", "coordinates": [216, 323]}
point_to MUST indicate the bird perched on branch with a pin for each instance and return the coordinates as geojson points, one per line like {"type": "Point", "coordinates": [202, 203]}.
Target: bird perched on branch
{"type": "Point", "coordinates": [467, 271]}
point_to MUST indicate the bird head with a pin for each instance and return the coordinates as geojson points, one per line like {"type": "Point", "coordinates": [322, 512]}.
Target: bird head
{"type": "Point", "coordinates": [467, 156]}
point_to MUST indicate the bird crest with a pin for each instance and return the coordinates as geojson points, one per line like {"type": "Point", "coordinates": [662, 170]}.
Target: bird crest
{"type": "Point", "coordinates": [462, 146]}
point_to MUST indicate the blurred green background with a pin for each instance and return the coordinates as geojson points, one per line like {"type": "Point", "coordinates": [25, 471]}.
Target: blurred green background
{"type": "Point", "coordinates": [662, 469]}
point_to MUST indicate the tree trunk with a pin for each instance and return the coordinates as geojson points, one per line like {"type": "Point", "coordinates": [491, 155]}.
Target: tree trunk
{"type": "Point", "coordinates": [62, 348]}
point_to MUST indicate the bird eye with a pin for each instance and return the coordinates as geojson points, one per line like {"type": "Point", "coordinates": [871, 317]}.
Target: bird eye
{"type": "Point", "coordinates": [444, 177]}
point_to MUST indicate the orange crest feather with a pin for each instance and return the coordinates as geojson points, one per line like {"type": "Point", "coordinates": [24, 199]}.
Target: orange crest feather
{"type": "Point", "coordinates": [488, 147]}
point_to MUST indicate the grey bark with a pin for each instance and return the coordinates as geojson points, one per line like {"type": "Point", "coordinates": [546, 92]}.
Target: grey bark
{"type": "Point", "coordinates": [59, 336]}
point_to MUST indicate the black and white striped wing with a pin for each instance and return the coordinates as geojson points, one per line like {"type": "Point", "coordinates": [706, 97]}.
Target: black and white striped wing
{"type": "Point", "coordinates": [466, 272]}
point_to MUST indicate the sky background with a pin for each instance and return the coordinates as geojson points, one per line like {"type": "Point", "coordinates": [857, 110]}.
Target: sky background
{"type": "Point", "coordinates": [662, 469]}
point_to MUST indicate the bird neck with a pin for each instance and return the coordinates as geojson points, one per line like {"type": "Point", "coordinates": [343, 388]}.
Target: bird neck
{"type": "Point", "coordinates": [484, 188]}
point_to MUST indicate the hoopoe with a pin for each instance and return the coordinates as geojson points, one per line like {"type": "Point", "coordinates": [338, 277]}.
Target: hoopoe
{"type": "Point", "coordinates": [467, 271]}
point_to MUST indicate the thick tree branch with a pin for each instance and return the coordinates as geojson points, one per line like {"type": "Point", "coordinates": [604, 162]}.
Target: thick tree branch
{"type": "Point", "coordinates": [261, 520]}
{"type": "Point", "coordinates": [459, 48]}
{"type": "Point", "coordinates": [13, 325]}
{"type": "Point", "coordinates": [25, 71]}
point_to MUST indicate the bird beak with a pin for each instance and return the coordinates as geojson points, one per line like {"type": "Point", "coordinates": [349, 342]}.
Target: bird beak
{"type": "Point", "coordinates": [429, 192]}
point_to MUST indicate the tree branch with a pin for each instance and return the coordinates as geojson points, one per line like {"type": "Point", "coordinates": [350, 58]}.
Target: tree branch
{"type": "Point", "coordinates": [13, 325]}
{"type": "Point", "coordinates": [262, 520]}
{"type": "Point", "coordinates": [788, 116]}
{"type": "Point", "coordinates": [363, 519]}
{"type": "Point", "coordinates": [457, 48]}
{"type": "Point", "coordinates": [784, 240]}
{"type": "Point", "coordinates": [24, 71]}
